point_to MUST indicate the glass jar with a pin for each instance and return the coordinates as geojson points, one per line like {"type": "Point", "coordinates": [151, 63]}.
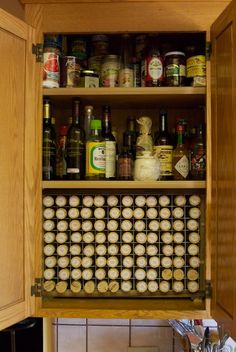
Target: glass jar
{"type": "Point", "coordinates": [196, 66]}
{"type": "Point", "coordinates": [175, 69]}
{"type": "Point", "coordinates": [110, 71]}
{"type": "Point", "coordinates": [146, 167]}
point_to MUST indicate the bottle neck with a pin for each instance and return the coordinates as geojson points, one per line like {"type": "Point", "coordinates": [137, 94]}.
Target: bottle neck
{"type": "Point", "coordinates": [180, 138]}
{"type": "Point", "coordinates": [106, 121]}
{"type": "Point", "coordinates": [75, 112]}
{"type": "Point", "coordinates": [163, 123]}
{"type": "Point", "coordinates": [46, 112]}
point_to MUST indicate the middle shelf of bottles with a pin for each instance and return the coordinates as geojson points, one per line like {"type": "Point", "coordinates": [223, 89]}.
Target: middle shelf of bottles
{"type": "Point", "coordinates": [181, 105]}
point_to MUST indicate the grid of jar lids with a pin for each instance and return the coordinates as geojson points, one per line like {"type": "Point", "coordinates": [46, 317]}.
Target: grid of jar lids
{"type": "Point", "coordinates": [123, 244]}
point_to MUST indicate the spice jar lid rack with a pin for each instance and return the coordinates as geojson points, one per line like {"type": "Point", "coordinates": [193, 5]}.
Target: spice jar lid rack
{"type": "Point", "coordinates": [167, 225]}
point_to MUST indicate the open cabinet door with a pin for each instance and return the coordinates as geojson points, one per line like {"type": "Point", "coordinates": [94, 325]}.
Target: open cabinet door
{"type": "Point", "coordinates": [223, 216]}
{"type": "Point", "coordinates": [18, 164]}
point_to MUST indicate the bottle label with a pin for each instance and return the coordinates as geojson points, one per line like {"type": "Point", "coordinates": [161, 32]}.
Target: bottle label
{"type": "Point", "coordinates": [126, 77]}
{"type": "Point", "coordinates": [182, 166]}
{"type": "Point", "coordinates": [110, 159]}
{"type": "Point", "coordinates": [74, 170]}
{"type": "Point", "coordinates": [125, 167]}
{"type": "Point", "coordinates": [154, 68]}
{"type": "Point", "coordinates": [198, 162]}
{"type": "Point", "coordinates": [164, 154]}
{"type": "Point", "coordinates": [51, 70]}
{"type": "Point", "coordinates": [95, 158]}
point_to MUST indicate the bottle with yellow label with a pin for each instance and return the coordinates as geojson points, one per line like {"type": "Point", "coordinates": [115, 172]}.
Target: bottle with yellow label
{"type": "Point", "coordinates": [95, 152]}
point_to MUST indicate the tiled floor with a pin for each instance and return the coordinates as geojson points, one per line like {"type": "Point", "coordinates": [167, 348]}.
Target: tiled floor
{"type": "Point", "coordinates": [104, 335]}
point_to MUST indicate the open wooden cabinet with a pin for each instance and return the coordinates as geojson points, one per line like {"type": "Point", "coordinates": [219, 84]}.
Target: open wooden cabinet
{"type": "Point", "coordinates": [22, 187]}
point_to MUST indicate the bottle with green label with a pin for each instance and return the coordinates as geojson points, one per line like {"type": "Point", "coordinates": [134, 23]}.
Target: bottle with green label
{"type": "Point", "coordinates": [95, 152]}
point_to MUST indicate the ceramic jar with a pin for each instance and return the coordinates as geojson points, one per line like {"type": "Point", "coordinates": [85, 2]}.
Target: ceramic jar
{"type": "Point", "coordinates": [146, 167]}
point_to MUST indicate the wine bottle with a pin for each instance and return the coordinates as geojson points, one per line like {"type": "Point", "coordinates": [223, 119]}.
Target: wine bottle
{"type": "Point", "coordinates": [110, 143]}
{"type": "Point", "coordinates": [49, 143]}
{"type": "Point", "coordinates": [163, 148]}
{"type": "Point", "coordinates": [75, 145]}
{"type": "Point", "coordinates": [88, 116]}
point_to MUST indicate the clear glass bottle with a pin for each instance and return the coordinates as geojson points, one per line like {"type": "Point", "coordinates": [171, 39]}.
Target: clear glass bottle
{"type": "Point", "coordinates": [110, 143]}
{"type": "Point", "coordinates": [126, 74]}
{"type": "Point", "coordinates": [163, 148]}
{"type": "Point", "coordinates": [75, 145]}
{"type": "Point", "coordinates": [88, 116]}
{"type": "Point", "coordinates": [61, 167]}
{"type": "Point", "coordinates": [95, 152]}
{"type": "Point", "coordinates": [49, 143]}
{"type": "Point", "coordinates": [180, 156]}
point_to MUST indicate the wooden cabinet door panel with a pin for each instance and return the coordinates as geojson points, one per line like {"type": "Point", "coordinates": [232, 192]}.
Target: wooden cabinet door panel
{"type": "Point", "coordinates": [223, 220]}
{"type": "Point", "coordinates": [16, 214]}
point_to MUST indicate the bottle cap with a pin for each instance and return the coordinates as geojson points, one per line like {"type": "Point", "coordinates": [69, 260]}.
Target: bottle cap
{"type": "Point", "coordinates": [96, 125]}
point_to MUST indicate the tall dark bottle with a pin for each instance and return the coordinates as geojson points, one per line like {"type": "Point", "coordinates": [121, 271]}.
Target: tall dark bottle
{"type": "Point", "coordinates": [130, 136]}
{"type": "Point", "coordinates": [75, 145]}
{"type": "Point", "coordinates": [110, 143]}
{"type": "Point", "coordinates": [49, 143]}
{"type": "Point", "coordinates": [163, 148]}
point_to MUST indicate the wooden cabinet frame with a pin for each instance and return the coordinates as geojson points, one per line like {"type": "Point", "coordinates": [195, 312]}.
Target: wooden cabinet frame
{"type": "Point", "coordinates": [128, 16]}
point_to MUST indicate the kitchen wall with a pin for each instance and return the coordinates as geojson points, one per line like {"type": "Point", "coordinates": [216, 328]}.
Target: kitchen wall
{"type": "Point", "coordinates": [116, 335]}
{"type": "Point", "coordinates": [13, 6]}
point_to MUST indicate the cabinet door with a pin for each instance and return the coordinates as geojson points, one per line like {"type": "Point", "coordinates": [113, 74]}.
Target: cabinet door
{"type": "Point", "coordinates": [17, 171]}
{"type": "Point", "coordinates": [223, 215]}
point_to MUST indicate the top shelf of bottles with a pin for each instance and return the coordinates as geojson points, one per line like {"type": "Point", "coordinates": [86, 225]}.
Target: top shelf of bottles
{"type": "Point", "coordinates": [133, 97]}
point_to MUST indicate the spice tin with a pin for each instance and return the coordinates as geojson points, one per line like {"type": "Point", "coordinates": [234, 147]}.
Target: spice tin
{"type": "Point", "coordinates": [175, 68]}
{"type": "Point", "coordinates": [51, 68]}
{"type": "Point", "coordinates": [110, 71]}
{"type": "Point", "coordinates": [89, 79]}
{"type": "Point", "coordinates": [70, 71]}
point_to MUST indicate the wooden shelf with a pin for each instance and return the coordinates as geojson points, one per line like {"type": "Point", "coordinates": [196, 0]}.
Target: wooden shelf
{"type": "Point", "coordinates": [132, 97]}
{"type": "Point", "coordinates": [124, 184]}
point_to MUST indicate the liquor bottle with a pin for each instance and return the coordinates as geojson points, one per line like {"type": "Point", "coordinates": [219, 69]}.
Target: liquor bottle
{"type": "Point", "coordinates": [49, 143]}
{"type": "Point", "coordinates": [198, 155]}
{"type": "Point", "coordinates": [95, 152]}
{"type": "Point", "coordinates": [130, 136]}
{"type": "Point", "coordinates": [125, 165]}
{"type": "Point", "coordinates": [88, 116]}
{"type": "Point", "coordinates": [180, 156]}
{"type": "Point", "coordinates": [163, 148]}
{"type": "Point", "coordinates": [110, 143]}
{"type": "Point", "coordinates": [75, 145]}
{"type": "Point", "coordinates": [126, 75]}
{"type": "Point", "coordinates": [61, 168]}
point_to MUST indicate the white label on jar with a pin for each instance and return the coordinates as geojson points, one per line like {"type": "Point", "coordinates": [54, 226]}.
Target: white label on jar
{"type": "Point", "coordinates": [182, 166]}
{"type": "Point", "coordinates": [126, 77]}
{"type": "Point", "coordinates": [91, 82]}
{"type": "Point", "coordinates": [109, 74]}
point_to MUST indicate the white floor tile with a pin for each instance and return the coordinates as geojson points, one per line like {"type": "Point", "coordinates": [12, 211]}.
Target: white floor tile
{"type": "Point", "coordinates": [71, 321]}
{"type": "Point", "coordinates": [71, 338]}
{"type": "Point", "coordinates": [108, 322]}
{"type": "Point", "coordinates": [152, 336]}
{"type": "Point", "coordinates": [108, 338]}
{"type": "Point", "coordinates": [148, 322]}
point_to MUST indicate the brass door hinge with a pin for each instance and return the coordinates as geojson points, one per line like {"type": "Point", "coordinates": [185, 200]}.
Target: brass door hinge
{"type": "Point", "coordinates": [208, 51]}
{"type": "Point", "coordinates": [208, 289]}
{"type": "Point", "coordinates": [36, 289]}
{"type": "Point", "coordinates": [37, 50]}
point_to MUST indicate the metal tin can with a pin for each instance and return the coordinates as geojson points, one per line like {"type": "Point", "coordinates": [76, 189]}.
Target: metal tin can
{"type": "Point", "coordinates": [89, 79]}
{"type": "Point", "coordinates": [196, 66]}
{"type": "Point", "coordinates": [51, 67]}
{"type": "Point", "coordinates": [70, 71]}
{"type": "Point", "coordinates": [175, 68]}
{"type": "Point", "coordinates": [110, 71]}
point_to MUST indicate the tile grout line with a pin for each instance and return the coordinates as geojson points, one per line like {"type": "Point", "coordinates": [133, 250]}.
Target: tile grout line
{"type": "Point", "coordinates": [129, 332]}
{"type": "Point", "coordinates": [86, 335]}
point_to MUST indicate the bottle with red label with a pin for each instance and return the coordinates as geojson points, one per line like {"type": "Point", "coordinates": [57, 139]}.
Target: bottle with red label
{"type": "Point", "coordinates": [198, 155]}
{"type": "Point", "coordinates": [152, 64]}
